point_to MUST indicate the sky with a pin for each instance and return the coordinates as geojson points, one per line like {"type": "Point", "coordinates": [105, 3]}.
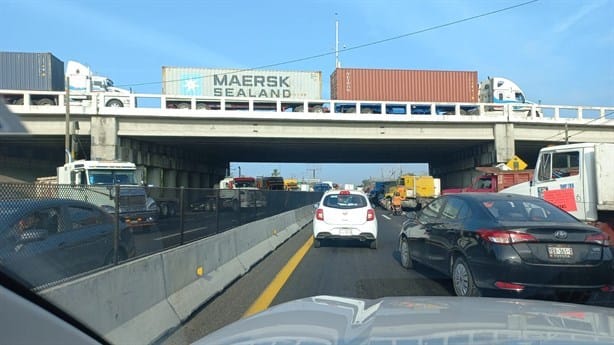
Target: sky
{"type": "Point", "coordinates": [557, 51]}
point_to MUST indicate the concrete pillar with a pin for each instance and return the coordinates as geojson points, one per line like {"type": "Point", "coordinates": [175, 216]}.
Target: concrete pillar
{"type": "Point", "coordinates": [104, 138]}
{"type": "Point", "coordinates": [154, 176]}
{"type": "Point", "coordinates": [504, 142]}
{"type": "Point", "coordinates": [170, 178]}
{"type": "Point", "coordinates": [195, 180]}
{"type": "Point", "coordinates": [183, 180]}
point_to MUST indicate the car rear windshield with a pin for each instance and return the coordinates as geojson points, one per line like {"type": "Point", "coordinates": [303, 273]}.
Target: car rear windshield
{"type": "Point", "coordinates": [526, 211]}
{"type": "Point", "coordinates": [345, 201]}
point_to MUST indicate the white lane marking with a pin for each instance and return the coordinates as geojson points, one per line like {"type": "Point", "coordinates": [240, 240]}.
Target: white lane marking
{"type": "Point", "coordinates": [185, 232]}
{"type": "Point", "coordinates": [385, 216]}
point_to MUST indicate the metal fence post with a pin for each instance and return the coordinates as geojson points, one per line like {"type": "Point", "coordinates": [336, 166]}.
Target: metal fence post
{"type": "Point", "coordinates": [217, 211]}
{"type": "Point", "coordinates": [181, 225]}
{"type": "Point", "coordinates": [116, 230]}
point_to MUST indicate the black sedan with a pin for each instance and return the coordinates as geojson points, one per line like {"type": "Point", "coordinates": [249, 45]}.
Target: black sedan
{"type": "Point", "coordinates": [491, 241]}
{"type": "Point", "coordinates": [43, 241]}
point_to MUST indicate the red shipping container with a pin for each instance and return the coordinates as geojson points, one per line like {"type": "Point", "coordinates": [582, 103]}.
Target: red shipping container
{"type": "Point", "coordinates": [404, 85]}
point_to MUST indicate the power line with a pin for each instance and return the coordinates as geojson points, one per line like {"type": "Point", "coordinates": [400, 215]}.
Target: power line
{"type": "Point", "coordinates": [579, 131]}
{"type": "Point", "coordinates": [360, 46]}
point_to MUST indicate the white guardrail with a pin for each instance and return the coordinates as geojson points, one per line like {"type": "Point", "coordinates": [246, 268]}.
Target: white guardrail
{"type": "Point", "coordinates": [24, 102]}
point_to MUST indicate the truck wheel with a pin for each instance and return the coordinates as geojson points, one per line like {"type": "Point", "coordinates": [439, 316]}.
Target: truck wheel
{"type": "Point", "coordinates": [201, 106]}
{"type": "Point", "coordinates": [183, 106]}
{"type": "Point", "coordinates": [366, 110]}
{"type": "Point", "coordinates": [115, 103]}
{"type": "Point", "coordinates": [45, 101]}
{"type": "Point", "coordinates": [317, 109]}
{"type": "Point", "coordinates": [299, 109]}
{"type": "Point", "coordinates": [316, 243]}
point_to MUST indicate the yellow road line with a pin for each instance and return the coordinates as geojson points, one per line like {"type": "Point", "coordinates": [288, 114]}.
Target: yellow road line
{"type": "Point", "coordinates": [266, 297]}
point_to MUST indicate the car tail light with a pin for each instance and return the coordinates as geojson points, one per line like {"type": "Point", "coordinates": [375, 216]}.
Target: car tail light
{"type": "Point", "coordinates": [370, 214]}
{"type": "Point", "coordinates": [607, 288]}
{"type": "Point", "coordinates": [320, 214]}
{"type": "Point", "coordinates": [344, 192]}
{"type": "Point", "coordinates": [509, 286]}
{"type": "Point", "coordinates": [505, 236]}
{"type": "Point", "coordinates": [602, 239]}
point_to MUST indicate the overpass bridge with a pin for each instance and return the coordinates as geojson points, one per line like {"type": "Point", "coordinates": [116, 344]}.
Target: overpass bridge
{"type": "Point", "coordinates": [192, 143]}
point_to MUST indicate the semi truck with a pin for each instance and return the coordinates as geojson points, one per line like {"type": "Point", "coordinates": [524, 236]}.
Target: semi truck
{"type": "Point", "coordinates": [493, 179]}
{"type": "Point", "coordinates": [240, 192]}
{"type": "Point", "coordinates": [44, 74]}
{"type": "Point", "coordinates": [291, 184]}
{"type": "Point", "coordinates": [423, 87]}
{"type": "Point", "coordinates": [95, 181]}
{"type": "Point", "coordinates": [579, 178]}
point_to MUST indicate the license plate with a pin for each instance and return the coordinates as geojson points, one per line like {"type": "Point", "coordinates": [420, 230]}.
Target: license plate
{"type": "Point", "coordinates": [560, 252]}
{"type": "Point", "coordinates": [345, 232]}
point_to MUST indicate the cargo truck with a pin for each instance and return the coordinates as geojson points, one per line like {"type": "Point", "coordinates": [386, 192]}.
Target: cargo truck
{"type": "Point", "coordinates": [291, 184]}
{"type": "Point", "coordinates": [493, 180]}
{"type": "Point", "coordinates": [423, 87]}
{"type": "Point", "coordinates": [44, 74]}
{"type": "Point", "coordinates": [203, 88]}
{"type": "Point", "coordinates": [94, 182]}
{"type": "Point", "coordinates": [579, 178]}
{"type": "Point", "coordinates": [415, 191]}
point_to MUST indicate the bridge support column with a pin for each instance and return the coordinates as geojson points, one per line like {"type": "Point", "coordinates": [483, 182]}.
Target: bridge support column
{"type": "Point", "coordinates": [183, 179]}
{"type": "Point", "coordinates": [504, 142]}
{"type": "Point", "coordinates": [154, 176]}
{"type": "Point", "coordinates": [104, 138]}
{"type": "Point", "coordinates": [170, 178]}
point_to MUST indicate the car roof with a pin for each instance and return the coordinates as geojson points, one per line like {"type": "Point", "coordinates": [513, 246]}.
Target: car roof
{"type": "Point", "coordinates": [338, 191]}
{"type": "Point", "coordinates": [492, 196]}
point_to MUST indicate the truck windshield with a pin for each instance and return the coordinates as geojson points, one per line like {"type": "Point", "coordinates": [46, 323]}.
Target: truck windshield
{"type": "Point", "coordinates": [245, 184]}
{"type": "Point", "coordinates": [111, 177]}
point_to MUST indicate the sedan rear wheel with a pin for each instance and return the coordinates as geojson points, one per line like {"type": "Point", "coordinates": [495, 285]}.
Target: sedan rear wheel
{"type": "Point", "coordinates": [406, 260]}
{"type": "Point", "coordinates": [373, 244]}
{"type": "Point", "coordinates": [316, 243]}
{"type": "Point", "coordinates": [462, 280]}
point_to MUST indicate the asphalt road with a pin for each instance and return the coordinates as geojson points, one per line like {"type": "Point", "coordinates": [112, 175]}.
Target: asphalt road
{"type": "Point", "coordinates": [348, 269]}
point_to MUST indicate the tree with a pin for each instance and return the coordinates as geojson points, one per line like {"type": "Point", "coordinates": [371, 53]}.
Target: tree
{"type": "Point", "coordinates": [275, 172]}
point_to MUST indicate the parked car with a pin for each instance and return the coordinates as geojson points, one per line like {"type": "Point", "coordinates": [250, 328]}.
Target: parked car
{"type": "Point", "coordinates": [507, 242]}
{"type": "Point", "coordinates": [43, 241]}
{"type": "Point", "coordinates": [344, 214]}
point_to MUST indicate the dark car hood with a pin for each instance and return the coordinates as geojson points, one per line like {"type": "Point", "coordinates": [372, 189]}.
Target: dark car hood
{"type": "Point", "coordinates": [421, 320]}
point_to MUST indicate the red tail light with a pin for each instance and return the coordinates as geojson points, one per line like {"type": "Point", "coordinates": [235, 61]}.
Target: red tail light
{"type": "Point", "coordinates": [370, 214]}
{"type": "Point", "coordinates": [505, 236]}
{"type": "Point", "coordinates": [320, 214]}
{"type": "Point", "coordinates": [602, 239]}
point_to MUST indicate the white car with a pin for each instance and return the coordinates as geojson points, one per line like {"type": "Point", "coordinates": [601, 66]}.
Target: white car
{"type": "Point", "coordinates": [344, 214]}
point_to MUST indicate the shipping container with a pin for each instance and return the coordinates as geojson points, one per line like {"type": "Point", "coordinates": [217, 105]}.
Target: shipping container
{"type": "Point", "coordinates": [217, 82]}
{"type": "Point", "coordinates": [31, 71]}
{"type": "Point", "coordinates": [404, 85]}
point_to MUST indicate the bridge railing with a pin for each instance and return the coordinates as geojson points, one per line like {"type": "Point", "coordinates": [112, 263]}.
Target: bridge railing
{"type": "Point", "coordinates": [54, 102]}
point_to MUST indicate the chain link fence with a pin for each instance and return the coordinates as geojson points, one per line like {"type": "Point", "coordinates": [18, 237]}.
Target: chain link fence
{"type": "Point", "coordinates": [51, 233]}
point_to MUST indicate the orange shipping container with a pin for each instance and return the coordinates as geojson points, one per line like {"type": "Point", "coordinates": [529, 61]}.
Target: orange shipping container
{"type": "Point", "coordinates": [404, 85]}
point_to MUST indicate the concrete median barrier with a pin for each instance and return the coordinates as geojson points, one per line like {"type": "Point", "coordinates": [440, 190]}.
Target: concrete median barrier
{"type": "Point", "coordinates": [141, 300]}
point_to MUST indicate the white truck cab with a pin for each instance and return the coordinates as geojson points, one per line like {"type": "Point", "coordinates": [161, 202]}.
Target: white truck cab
{"type": "Point", "coordinates": [83, 83]}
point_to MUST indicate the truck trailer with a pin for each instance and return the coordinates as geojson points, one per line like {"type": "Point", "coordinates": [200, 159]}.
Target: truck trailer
{"type": "Point", "coordinates": [44, 74]}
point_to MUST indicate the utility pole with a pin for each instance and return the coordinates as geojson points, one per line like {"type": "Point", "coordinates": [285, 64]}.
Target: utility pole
{"type": "Point", "coordinates": [313, 171]}
{"type": "Point", "coordinates": [337, 63]}
{"type": "Point", "coordinates": [67, 120]}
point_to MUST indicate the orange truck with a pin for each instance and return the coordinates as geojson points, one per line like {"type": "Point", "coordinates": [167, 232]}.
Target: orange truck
{"type": "Point", "coordinates": [493, 179]}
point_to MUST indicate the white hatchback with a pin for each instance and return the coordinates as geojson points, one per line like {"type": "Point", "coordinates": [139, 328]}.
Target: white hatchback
{"type": "Point", "coordinates": [344, 214]}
